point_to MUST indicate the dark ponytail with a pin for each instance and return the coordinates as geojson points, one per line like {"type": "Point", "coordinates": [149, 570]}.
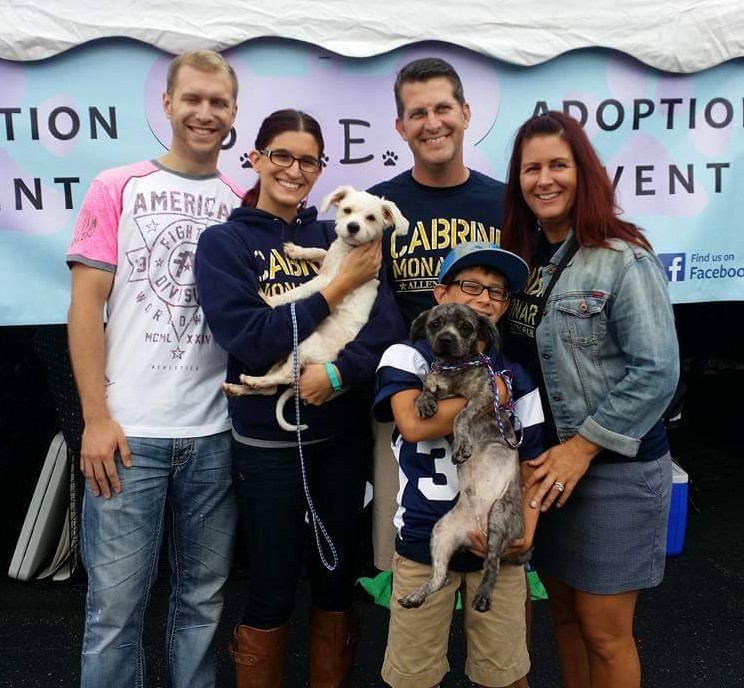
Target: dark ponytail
{"type": "Point", "coordinates": [251, 196]}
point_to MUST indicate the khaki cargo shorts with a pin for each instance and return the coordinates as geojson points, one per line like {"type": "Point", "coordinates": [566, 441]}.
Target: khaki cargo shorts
{"type": "Point", "coordinates": [416, 653]}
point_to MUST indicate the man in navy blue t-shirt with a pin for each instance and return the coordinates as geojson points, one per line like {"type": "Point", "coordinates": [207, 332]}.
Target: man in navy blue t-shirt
{"type": "Point", "coordinates": [447, 204]}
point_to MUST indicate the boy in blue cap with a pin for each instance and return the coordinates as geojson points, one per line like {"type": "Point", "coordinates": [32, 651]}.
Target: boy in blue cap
{"type": "Point", "coordinates": [482, 276]}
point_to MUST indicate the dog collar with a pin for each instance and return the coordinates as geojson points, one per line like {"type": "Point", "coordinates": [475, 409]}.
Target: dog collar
{"type": "Point", "coordinates": [483, 361]}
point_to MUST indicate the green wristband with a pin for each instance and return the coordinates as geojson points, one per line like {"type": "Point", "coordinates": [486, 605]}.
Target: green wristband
{"type": "Point", "coordinates": [331, 370]}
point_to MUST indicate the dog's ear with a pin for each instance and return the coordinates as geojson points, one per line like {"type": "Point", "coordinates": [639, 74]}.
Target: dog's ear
{"type": "Point", "coordinates": [488, 333]}
{"type": "Point", "coordinates": [418, 326]}
{"type": "Point", "coordinates": [394, 217]}
{"type": "Point", "coordinates": [336, 196]}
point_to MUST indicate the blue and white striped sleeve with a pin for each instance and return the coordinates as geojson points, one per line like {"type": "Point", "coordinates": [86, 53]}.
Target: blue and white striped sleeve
{"type": "Point", "coordinates": [401, 367]}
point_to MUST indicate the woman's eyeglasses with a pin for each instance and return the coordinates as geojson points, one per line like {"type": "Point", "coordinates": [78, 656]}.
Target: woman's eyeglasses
{"type": "Point", "coordinates": [476, 289]}
{"type": "Point", "coordinates": [283, 158]}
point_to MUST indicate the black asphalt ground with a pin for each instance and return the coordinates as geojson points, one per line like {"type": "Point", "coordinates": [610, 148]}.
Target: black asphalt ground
{"type": "Point", "coordinates": [690, 630]}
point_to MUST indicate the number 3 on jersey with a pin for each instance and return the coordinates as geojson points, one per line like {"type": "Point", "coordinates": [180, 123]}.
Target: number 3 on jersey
{"type": "Point", "coordinates": [443, 484]}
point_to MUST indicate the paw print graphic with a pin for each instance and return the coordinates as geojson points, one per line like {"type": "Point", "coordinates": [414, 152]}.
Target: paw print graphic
{"type": "Point", "coordinates": [245, 162]}
{"type": "Point", "coordinates": [390, 159]}
{"type": "Point", "coordinates": [324, 160]}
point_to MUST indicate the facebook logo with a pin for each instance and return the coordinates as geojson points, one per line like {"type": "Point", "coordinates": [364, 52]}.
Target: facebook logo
{"type": "Point", "coordinates": [674, 265]}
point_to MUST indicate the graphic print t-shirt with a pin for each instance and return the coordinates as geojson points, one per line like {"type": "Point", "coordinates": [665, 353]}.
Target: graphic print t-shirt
{"type": "Point", "coordinates": [163, 367]}
{"type": "Point", "coordinates": [440, 219]}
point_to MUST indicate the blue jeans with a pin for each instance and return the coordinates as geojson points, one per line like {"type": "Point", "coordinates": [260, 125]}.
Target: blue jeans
{"type": "Point", "coordinates": [121, 540]}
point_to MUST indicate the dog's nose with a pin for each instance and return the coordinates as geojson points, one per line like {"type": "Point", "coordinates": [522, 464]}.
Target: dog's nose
{"type": "Point", "coordinates": [445, 338]}
{"type": "Point", "coordinates": [352, 227]}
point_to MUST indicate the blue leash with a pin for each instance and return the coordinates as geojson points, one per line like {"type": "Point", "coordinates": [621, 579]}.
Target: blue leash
{"type": "Point", "coordinates": [318, 528]}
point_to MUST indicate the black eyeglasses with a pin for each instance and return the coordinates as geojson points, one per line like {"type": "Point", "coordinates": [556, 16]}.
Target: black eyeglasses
{"type": "Point", "coordinates": [283, 158]}
{"type": "Point", "coordinates": [476, 289]}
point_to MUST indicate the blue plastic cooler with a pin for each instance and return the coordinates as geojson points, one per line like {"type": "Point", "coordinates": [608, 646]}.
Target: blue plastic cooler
{"type": "Point", "coordinates": [677, 511]}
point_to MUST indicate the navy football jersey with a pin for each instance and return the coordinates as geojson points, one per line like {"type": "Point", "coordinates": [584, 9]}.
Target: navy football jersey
{"type": "Point", "coordinates": [428, 486]}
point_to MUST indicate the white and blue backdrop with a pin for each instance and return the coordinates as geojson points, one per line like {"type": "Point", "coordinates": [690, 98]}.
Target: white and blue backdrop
{"type": "Point", "coordinates": [661, 95]}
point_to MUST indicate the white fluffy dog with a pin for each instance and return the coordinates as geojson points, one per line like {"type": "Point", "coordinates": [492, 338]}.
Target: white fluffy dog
{"type": "Point", "coordinates": [360, 218]}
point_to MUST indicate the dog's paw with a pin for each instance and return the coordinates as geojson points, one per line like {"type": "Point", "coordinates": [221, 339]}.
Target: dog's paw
{"type": "Point", "coordinates": [233, 391]}
{"type": "Point", "coordinates": [426, 405]}
{"type": "Point", "coordinates": [462, 450]}
{"type": "Point", "coordinates": [481, 602]}
{"type": "Point", "coordinates": [290, 249]}
{"type": "Point", "coordinates": [411, 601]}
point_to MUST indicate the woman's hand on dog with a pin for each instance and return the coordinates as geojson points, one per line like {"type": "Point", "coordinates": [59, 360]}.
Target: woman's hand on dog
{"type": "Point", "coordinates": [361, 265]}
{"type": "Point", "coordinates": [315, 385]}
{"type": "Point", "coordinates": [563, 464]}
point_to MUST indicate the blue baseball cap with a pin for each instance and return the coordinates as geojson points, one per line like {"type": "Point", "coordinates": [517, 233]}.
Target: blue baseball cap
{"type": "Point", "coordinates": [482, 254]}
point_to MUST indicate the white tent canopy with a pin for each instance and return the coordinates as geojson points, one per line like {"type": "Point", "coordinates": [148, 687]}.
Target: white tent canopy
{"type": "Point", "coordinates": [671, 35]}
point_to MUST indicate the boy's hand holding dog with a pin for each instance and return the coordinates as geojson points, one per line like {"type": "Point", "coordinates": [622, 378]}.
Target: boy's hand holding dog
{"type": "Point", "coordinates": [515, 549]}
{"type": "Point", "coordinates": [521, 546]}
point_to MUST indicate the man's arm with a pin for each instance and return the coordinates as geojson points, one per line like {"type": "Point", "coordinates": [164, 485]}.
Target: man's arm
{"type": "Point", "coordinates": [102, 436]}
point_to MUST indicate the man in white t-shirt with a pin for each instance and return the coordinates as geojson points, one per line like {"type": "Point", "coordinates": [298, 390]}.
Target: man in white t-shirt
{"type": "Point", "coordinates": [156, 426]}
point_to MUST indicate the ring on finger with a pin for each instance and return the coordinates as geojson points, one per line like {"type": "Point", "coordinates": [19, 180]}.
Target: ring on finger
{"type": "Point", "coordinates": [558, 485]}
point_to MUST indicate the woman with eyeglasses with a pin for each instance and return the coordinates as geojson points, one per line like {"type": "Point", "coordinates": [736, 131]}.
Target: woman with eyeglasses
{"type": "Point", "coordinates": [595, 326]}
{"type": "Point", "coordinates": [238, 262]}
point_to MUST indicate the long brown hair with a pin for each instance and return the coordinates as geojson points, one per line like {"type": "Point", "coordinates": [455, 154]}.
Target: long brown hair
{"type": "Point", "coordinates": [594, 217]}
{"type": "Point", "coordinates": [275, 124]}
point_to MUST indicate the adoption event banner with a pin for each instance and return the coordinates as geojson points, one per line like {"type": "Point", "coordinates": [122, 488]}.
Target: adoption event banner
{"type": "Point", "coordinates": [671, 143]}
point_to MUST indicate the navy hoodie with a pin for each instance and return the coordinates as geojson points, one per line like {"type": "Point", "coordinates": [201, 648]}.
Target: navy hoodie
{"type": "Point", "coordinates": [243, 256]}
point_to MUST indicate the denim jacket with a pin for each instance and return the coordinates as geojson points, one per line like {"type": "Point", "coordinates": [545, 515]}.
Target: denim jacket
{"type": "Point", "coordinates": [607, 345]}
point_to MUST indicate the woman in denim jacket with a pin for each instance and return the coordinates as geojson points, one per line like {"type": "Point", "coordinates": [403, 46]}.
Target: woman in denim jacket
{"type": "Point", "coordinates": [604, 348]}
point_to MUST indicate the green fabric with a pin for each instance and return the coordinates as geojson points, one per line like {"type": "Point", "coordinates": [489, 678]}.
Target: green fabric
{"type": "Point", "coordinates": [537, 589]}
{"type": "Point", "coordinates": [380, 588]}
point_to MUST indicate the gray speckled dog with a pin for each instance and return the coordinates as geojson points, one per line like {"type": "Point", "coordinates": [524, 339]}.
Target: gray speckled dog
{"type": "Point", "coordinates": [487, 467]}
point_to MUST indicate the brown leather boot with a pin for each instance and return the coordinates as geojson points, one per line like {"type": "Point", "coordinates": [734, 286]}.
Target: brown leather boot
{"type": "Point", "coordinates": [258, 656]}
{"type": "Point", "coordinates": [333, 640]}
